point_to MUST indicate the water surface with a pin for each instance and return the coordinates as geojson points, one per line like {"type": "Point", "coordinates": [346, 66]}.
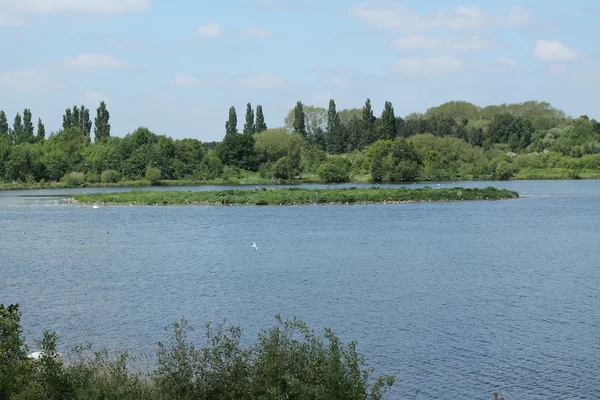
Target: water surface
{"type": "Point", "coordinates": [454, 299]}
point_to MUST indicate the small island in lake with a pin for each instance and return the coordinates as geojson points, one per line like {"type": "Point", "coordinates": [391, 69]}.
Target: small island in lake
{"type": "Point", "coordinates": [296, 196]}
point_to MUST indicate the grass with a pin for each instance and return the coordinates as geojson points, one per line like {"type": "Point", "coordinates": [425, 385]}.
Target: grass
{"type": "Point", "coordinates": [296, 196]}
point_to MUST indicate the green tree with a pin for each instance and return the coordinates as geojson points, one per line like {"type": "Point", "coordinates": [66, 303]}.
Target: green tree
{"type": "Point", "coordinates": [76, 117]}
{"type": "Point", "coordinates": [249, 126]}
{"type": "Point", "coordinates": [86, 122]}
{"type": "Point", "coordinates": [27, 134]}
{"type": "Point", "coordinates": [260, 120]}
{"type": "Point", "coordinates": [231, 123]}
{"type": "Point", "coordinates": [368, 120]}
{"type": "Point", "coordinates": [335, 170]}
{"type": "Point", "coordinates": [101, 124]}
{"type": "Point", "coordinates": [67, 119]}
{"type": "Point", "coordinates": [17, 129]}
{"type": "Point", "coordinates": [238, 150]}
{"type": "Point", "coordinates": [41, 131]}
{"type": "Point", "coordinates": [4, 132]}
{"type": "Point", "coordinates": [153, 174]}
{"type": "Point", "coordinates": [299, 122]}
{"type": "Point", "coordinates": [334, 140]}
{"type": "Point", "coordinates": [393, 161]}
{"type": "Point", "coordinates": [388, 129]}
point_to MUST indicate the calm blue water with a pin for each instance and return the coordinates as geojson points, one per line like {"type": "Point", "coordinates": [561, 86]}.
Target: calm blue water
{"type": "Point", "coordinates": [457, 300]}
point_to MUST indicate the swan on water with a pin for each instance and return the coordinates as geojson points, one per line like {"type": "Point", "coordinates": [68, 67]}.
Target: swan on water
{"type": "Point", "coordinates": [37, 355]}
{"type": "Point", "coordinates": [254, 245]}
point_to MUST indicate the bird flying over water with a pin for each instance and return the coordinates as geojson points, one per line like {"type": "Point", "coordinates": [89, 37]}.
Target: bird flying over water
{"type": "Point", "coordinates": [254, 245]}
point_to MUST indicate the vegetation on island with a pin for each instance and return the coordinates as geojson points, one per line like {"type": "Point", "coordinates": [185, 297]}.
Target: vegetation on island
{"type": "Point", "coordinates": [288, 361]}
{"type": "Point", "coordinates": [454, 141]}
{"type": "Point", "coordinates": [295, 196]}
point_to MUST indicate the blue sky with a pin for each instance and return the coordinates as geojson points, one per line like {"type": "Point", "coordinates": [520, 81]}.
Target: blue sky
{"type": "Point", "coordinates": [177, 66]}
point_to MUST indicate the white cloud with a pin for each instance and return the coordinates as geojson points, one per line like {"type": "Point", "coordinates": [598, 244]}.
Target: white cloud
{"type": "Point", "coordinates": [90, 6]}
{"type": "Point", "coordinates": [507, 61]}
{"type": "Point", "coordinates": [395, 16]}
{"type": "Point", "coordinates": [212, 30]}
{"type": "Point", "coordinates": [258, 32]}
{"type": "Point", "coordinates": [23, 79]}
{"type": "Point", "coordinates": [337, 81]}
{"type": "Point", "coordinates": [283, 4]}
{"type": "Point", "coordinates": [96, 61]}
{"type": "Point", "coordinates": [10, 21]}
{"type": "Point", "coordinates": [254, 81]}
{"type": "Point", "coordinates": [428, 65]}
{"type": "Point", "coordinates": [420, 42]}
{"type": "Point", "coordinates": [96, 97]}
{"type": "Point", "coordinates": [184, 81]}
{"type": "Point", "coordinates": [557, 70]}
{"type": "Point", "coordinates": [261, 81]}
{"type": "Point", "coordinates": [519, 16]}
{"type": "Point", "coordinates": [553, 50]}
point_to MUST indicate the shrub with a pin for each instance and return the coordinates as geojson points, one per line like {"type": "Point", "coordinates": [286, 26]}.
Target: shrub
{"type": "Point", "coordinates": [110, 176]}
{"type": "Point", "coordinates": [152, 174]}
{"type": "Point", "coordinates": [335, 170]}
{"type": "Point", "coordinates": [92, 177]}
{"type": "Point", "coordinates": [74, 179]}
{"type": "Point", "coordinates": [504, 170]}
{"type": "Point", "coordinates": [285, 169]}
{"type": "Point", "coordinates": [288, 361]}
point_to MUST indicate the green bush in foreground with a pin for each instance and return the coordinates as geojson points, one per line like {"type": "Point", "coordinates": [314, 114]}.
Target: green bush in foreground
{"type": "Point", "coordinates": [289, 361]}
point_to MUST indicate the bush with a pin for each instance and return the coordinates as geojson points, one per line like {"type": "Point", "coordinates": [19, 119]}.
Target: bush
{"type": "Point", "coordinates": [504, 170]}
{"type": "Point", "coordinates": [92, 177]}
{"type": "Point", "coordinates": [335, 170]}
{"type": "Point", "coordinates": [74, 179]}
{"type": "Point", "coordinates": [288, 361]}
{"type": "Point", "coordinates": [285, 169]}
{"type": "Point", "coordinates": [110, 176]}
{"type": "Point", "coordinates": [152, 174]}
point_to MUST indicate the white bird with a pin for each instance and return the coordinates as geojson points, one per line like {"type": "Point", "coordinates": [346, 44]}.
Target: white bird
{"type": "Point", "coordinates": [36, 355]}
{"type": "Point", "coordinates": [254, 245]}
{"type": "Point", "coordinates": [95, 206]}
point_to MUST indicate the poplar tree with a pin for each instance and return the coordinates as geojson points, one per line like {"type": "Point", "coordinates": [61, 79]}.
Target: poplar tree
{"type": "Point", "coordinates": [86, 122]}
{"type": "Point", "coordinates": [41, 131]}
{"type": "Point", "coordinates": [333, 136]}
{"type": "Point", "coordinates": [231, 124]}
{"type": "Point", "coordinates": [260, 125]}
{"type": "Point", "coordinates": [249, 126]}
{"type": "Point", "coordinates": [3, 125]}
{"type": "Point", "coordinates": [368, 121]}
{"type": "Point", "coordinates": [27, 134]}
{"type": "Point", "coordinates": [388, 130]}
{"type": "Point", "coordinates": [101, 125]}
{"type": "Point", "coordinates": [17, 130]}
{"type": "Point", "coordinates": [67, 119]}
{"type": "Point", "coordinates": [299, 122]}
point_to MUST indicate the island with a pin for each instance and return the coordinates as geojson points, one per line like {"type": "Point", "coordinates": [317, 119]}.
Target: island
{"type": "Point", "coordinates": [296, 196]}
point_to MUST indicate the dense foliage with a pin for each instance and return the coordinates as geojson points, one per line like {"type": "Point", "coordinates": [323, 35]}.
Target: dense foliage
{"type": "Point", "coordinates": [294, 196]}
{"type": "Point", "coordinates": [456, 140]}
{"type": "Point", "coordinates": [289, 361]}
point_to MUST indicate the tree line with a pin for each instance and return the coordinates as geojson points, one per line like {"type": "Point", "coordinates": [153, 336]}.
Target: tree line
{"type": "Point", "coordinates": [455, 140]}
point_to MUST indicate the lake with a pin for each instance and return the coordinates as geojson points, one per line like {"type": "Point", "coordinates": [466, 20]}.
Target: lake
{"type": "Point", "coordinates": [457, 300]}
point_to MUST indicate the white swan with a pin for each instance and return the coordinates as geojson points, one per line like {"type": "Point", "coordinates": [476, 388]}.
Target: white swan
{"type": "Point", "coordinates": [254, 245]}
{"type": "Point", "coordinates": [37, 355]}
